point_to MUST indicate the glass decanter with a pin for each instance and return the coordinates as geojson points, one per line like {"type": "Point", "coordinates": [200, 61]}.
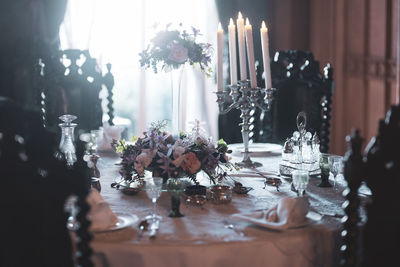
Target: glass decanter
{"type": "Point", "coordinates": [67, 146]}
{"type": "Point", "coordinates": [306, 149]}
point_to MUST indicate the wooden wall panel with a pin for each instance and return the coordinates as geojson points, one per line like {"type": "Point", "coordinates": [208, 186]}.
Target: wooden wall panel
{"type": "Point", "coordinates": [359, 39]}
{"type": "Point", "coordinates": [394, 84]}
{"type": "Point", "coordinates": [363, 53]}
{"type": "Point", "coordinates": [375, 75]}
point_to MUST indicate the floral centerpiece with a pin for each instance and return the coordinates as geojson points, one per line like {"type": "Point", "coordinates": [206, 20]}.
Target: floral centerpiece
{"type": "Point", "coordinates": [173, 157]}
{"type": "Point", "coordinates": [169, 51]}
{"type": "Point", "coordinates": [171, 48]}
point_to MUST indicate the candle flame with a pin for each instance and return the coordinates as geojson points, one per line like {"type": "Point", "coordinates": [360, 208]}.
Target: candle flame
{"type": "Point", "coordinates": [240, 16]}
{"type": "Point", "coordinates": [247, 21]}
{"type": "Point", "coordinates": [231, 22]}
{"type": "Point", "coordinates": [220, 27]}
{"type": "Point", "coordinates": [263, 26]}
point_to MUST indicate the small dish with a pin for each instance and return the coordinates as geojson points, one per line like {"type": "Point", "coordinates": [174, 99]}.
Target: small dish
{"type": "Point", "coordinates": [273, 181]}
{"type": "Point", "coordinates": [196, 200]}
{"type": "Point", "coordinates": [242, 189]}
{"type": "Point", "coordinates": [221, 194]}
{"type": "Point", "coordinates": [124, 220]}
{"type": "Point", "coordinates": [128, 187]}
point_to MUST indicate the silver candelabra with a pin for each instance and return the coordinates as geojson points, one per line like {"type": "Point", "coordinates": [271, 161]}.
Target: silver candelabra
{"type": "Point", "coordinates": [246, 99]}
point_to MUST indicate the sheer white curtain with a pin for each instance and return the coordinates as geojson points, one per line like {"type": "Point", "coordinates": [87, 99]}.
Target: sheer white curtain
{"type": "Point", "coordinates": [116, 31]}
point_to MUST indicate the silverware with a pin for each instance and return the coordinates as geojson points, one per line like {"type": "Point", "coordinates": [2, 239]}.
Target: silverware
{"type": "Point", "coordinates": [329, 214]}
{"type": "Point", "coordinates": [271, 181]}
{"type": "Point", "coordinates": [154, 226]}
{"type": "Point", "coordinates": [233, 227]}
{"type": "Point", "coordinates": [143, 225]}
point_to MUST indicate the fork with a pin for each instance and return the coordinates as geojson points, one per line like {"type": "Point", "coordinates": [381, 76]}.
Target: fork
{"type": "Point", "coordinates": [233, 227]}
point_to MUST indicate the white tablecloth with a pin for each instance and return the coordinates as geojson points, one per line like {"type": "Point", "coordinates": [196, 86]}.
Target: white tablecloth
{"type": "Point", "coordinates": [200, 238]}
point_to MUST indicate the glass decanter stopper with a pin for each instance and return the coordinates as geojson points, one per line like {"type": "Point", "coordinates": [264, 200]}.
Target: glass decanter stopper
{"type": "Point", "coordinates": [67, 146]}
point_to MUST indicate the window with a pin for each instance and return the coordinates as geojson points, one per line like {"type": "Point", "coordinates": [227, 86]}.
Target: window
{"type": "Point", "coordinates": [116, 31]}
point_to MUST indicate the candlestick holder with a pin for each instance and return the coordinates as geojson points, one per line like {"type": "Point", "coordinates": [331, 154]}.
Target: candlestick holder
{"type": "Point", "coordinates": [245, 98]}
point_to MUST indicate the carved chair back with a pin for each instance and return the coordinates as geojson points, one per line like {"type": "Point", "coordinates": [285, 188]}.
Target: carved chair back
{"type": "Point", "coordinates": [379, 167]}
{"type": "Point", "coordinates": [300, 86]}
{"type": "Point", "coordinates": [35, 186]}
{"type": "Point", "coordinates": [69, 83]}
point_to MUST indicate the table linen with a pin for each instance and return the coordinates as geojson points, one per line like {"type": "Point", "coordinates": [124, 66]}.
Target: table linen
{"type": "Point", "coordinates": [200, 238]}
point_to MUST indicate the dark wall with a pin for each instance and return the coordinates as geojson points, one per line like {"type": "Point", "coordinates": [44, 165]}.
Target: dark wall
{"type": "Point", "coordinates": [29, 29]}
{"type": "Point", "coordinates": [255, 10]}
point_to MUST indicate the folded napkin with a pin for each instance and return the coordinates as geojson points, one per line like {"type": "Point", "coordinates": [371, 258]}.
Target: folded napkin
{"type": "Point", "coordinates": [288, 213]}
{"type": "Point", "coordinates": [100, 214]}
{"type": "Point", "coordinates": [110, 132]}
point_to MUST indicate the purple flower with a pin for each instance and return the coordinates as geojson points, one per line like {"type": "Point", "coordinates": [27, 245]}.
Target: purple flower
{"type": "Point", "coordinates": [178, 52]}
{"type": "Point", "coordinates": [165, 163]}
{"type": "Point", "coordinates": [195, 31]}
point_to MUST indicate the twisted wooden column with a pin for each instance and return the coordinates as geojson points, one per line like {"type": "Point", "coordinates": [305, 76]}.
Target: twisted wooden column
{"type": "Point", "coordinates": [353, 167]}
{"type": "Point", "coordinates": [84, 236]}
{"type": "Point", "coordinates": [108, 81]}
{"type": "Point", "coordinates": [326, 110]}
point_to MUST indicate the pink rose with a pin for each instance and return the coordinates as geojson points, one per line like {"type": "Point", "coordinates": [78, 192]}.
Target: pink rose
{"type": "Point", "coordinates": [144, 159]}
{"type": "Point", "coordinates": [191, 164]}
{"type": "Point", "coordinates": [178, 53]}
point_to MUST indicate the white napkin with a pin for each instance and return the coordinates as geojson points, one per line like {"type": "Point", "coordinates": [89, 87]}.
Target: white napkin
{"type": "Point", "coordinates": [288, 213]}
{"type": "Point", "coordinates": [100, 213]}
{"type": "Point", "coordinates": [109, 133]}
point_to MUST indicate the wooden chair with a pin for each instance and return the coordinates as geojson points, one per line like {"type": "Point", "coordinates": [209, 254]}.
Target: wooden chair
{"type": "Point", "coordinates": [70, 82]}
{"type": "Point", "coordinates": [300, 86]}
{"type": "Point", "coordinates": [376, 243]}
{"type": "Point", "coordinates": [35, 183]}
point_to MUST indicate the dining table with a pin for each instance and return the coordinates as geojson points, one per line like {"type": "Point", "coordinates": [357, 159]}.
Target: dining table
{"type": "Point", "coordinates": [211, 235]}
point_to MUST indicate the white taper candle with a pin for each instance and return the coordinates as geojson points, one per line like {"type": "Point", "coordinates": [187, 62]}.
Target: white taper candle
{"type": "Point", "coordinates": [232, 52]}
{"type": "Point", "coordinates": [220, 33]}
{"type": "Point", "coordinates": [242, 49]}
{"type": "Point", "coordinates": [265, 54]}
{"type": "Point", "coordinates": [250, 53]}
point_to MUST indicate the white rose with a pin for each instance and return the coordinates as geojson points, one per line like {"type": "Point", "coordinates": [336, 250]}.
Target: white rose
{"type": "Point", "coordinates": [178, 53]}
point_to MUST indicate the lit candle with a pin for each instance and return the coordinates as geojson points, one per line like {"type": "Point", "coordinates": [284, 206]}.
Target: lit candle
{"type": "Point", "coordinates": [250, 53]}
{"type": "Point", "coordinates": [265, 54]}
{"type": "Point", "coordinates": [232, 52]}
{"type": "Point", "coordinates": [242, 51]}
{"type": "Point", "coordinates": [220, 33]}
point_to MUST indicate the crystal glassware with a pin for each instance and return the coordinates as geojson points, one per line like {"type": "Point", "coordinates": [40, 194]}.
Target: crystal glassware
{"type": "Point", "coordinates": [153, 187]}
{"type": "Point", "coordinates": [300, 180]}
{"type": "Point", "coordinates": [67, 146]}
{"type": "Point", "coordinates": [335, 167]}
{"type": "Point", "coordinates": [324, 166]}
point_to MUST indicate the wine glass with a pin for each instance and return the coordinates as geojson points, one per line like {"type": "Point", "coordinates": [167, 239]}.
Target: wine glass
{"type": "Point", "coordinates": [153, 190]}
{"type": "Point", "coordinates": [300, 180]}
{"type": "Point", "coordinates": [335, 167]}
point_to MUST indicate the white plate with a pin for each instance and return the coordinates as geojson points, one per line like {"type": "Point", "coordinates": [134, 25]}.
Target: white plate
{"type": "Point", "coordinates": [256, 149]}
{"type": "Point", "coordinates": [124, 220]}
{"type": "Point", "coordinates": [258, 218]}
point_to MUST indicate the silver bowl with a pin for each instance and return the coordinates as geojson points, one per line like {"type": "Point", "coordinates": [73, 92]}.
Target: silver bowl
{"type": "Point", "coordinates": [221, 194]}
{"type": "Point", "coordinates": [196, 200]}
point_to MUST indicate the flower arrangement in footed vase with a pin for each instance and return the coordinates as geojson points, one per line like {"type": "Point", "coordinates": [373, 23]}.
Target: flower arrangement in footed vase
{"type": "Point", "coordinates": [173, 157]}
{"type": "Point", "coordinates": [169, 51]}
